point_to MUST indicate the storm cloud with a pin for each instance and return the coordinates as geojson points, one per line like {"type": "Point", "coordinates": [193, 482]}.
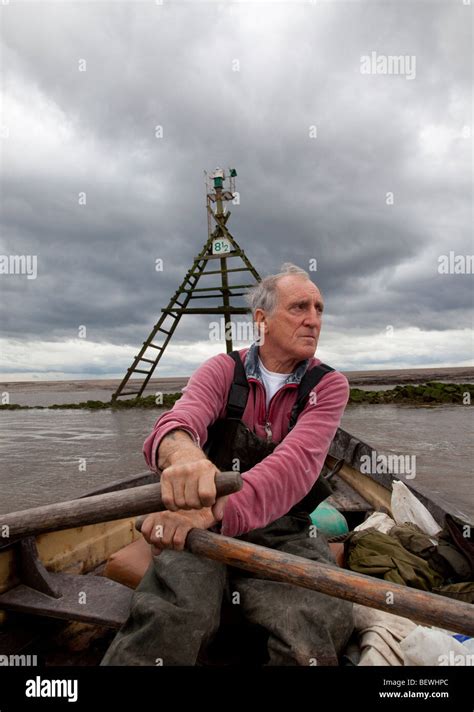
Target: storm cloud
{"type": "Point", "coordinates": [368, 173]}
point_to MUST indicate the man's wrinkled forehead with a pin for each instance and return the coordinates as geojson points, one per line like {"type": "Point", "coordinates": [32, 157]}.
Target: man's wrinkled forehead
{"type": "Point", "coordinates": [292, 288]}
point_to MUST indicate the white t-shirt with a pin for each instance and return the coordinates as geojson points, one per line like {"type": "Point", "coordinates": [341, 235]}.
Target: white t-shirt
{"type": "Point", "coordinates": [271, 380]}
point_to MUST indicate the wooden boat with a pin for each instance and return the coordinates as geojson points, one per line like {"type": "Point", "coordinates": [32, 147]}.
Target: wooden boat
{"type": "Point", "coordinates": [42, 577]}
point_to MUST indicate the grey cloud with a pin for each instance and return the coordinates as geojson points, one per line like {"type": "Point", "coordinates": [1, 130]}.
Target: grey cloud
{"type": "Point", "coordinates": [300, 197]}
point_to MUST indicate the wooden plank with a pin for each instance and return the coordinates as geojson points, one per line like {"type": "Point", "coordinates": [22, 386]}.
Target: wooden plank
{"type": "Point", "coordinates": [75, 551]}
{"type": "Point", "coordinates": [208, 310]}
{"type": "Point", "coordinates": [221, 288]}
{"type": "Point", "coordinates": [213, 296]}
{"type": "Point", "coordinates": [226, 305]}
{"type": "Point", "coordinates": [218, 257]}
{"type": "Point", "coordinates": [346, 499]}
{"type": "Point", "coordinates": [373, 492]}
{"type": "Point", "coordinates": [219, 271]}
{"type": "Point", "coordinates": [91, 599]}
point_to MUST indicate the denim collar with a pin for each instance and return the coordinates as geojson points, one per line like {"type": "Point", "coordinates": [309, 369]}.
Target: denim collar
{"type": "Point", "coordinates": [252, 368]}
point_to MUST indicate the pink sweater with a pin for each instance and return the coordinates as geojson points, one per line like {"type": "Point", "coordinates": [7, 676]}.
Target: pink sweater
{"type": "Point", "coordinates": [283, 478]}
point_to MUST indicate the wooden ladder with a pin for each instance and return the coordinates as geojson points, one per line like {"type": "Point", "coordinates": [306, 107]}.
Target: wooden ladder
{"type": "Point", "coordinates": [146, 361]}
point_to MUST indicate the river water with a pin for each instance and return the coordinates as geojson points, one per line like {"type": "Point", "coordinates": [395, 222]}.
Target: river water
{"type": "Point", "coordinates": [52, 455]}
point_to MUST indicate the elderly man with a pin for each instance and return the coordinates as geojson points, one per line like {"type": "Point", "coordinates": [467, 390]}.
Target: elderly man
{"type": "Point", "coordinates": [270, 411]}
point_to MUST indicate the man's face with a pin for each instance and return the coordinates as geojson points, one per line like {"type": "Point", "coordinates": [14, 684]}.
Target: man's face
{"type": "Point", "coordinates": [293, 328]}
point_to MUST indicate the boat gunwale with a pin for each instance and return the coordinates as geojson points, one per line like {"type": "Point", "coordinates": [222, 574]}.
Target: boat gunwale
{"type": "Point", "coordinates": [351, 449]}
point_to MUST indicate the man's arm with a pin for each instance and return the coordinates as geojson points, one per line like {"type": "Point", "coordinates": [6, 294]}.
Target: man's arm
{"type": "Point", "coordinates": [178, 446]}
{"type": "Point", "coordinates": [203, 401]}
{"type": "Point", "coordinates": [188, 477]}
{"type": "Point", "coordinates": [187, 489]}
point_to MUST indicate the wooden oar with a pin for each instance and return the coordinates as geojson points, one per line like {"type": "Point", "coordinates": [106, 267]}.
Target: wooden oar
{"type": "Point", "coordinates": [421, 606]}
{"type": "Point", "coordinates": [97, 508]}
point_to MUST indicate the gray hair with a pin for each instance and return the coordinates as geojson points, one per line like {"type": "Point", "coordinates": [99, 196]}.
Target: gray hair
{"type": "Point", "coordinates": [264, 295]}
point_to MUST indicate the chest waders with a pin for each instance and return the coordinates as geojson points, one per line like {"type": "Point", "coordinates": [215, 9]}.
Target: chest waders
{"type": "Point", "coordinates": [177, 609]}
{"type": "Point", "coordinates": [232, 445]}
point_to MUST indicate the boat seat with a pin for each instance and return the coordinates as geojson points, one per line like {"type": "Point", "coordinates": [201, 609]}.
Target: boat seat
{"type": "Point", "coordinates": [62, 595]}
{"type": "Point", "coordinates": [129, 565]}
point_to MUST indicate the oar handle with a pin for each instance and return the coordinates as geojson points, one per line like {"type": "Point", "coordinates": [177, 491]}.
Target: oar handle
{"type": "Point", "coordinates": [97, 508]}
{"type": "Point", "coordinates": [226, 483]}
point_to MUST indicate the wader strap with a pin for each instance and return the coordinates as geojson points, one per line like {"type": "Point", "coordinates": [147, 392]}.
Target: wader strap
{"type": "Point", "coordinates": [239, 390]}
{"type": "Point", "coordinates": [309, 381]}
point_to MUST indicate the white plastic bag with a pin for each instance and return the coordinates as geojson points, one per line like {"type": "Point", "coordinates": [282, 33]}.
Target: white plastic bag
{"type": "Point", "coordinates": [379, 521]}
{"type": "Point", "coordinates": [407, 508]}
{"type": "Point", "coordinates": [425, 646]}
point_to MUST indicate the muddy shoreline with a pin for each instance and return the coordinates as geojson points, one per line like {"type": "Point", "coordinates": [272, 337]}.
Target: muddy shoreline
{"type": "Point", "coordinates": [45, 393]}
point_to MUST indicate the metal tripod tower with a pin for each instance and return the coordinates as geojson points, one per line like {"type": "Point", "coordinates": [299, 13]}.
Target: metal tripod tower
{"type": "Point", "coordinates": [221, 246]}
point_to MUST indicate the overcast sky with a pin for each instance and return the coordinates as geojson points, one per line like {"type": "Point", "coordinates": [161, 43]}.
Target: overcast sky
{"type": "Point", "coordinates": [368, 173]}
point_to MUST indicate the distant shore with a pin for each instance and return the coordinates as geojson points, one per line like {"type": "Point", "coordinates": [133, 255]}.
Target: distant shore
{"type": "Point", "coordinates": [47, 393]}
